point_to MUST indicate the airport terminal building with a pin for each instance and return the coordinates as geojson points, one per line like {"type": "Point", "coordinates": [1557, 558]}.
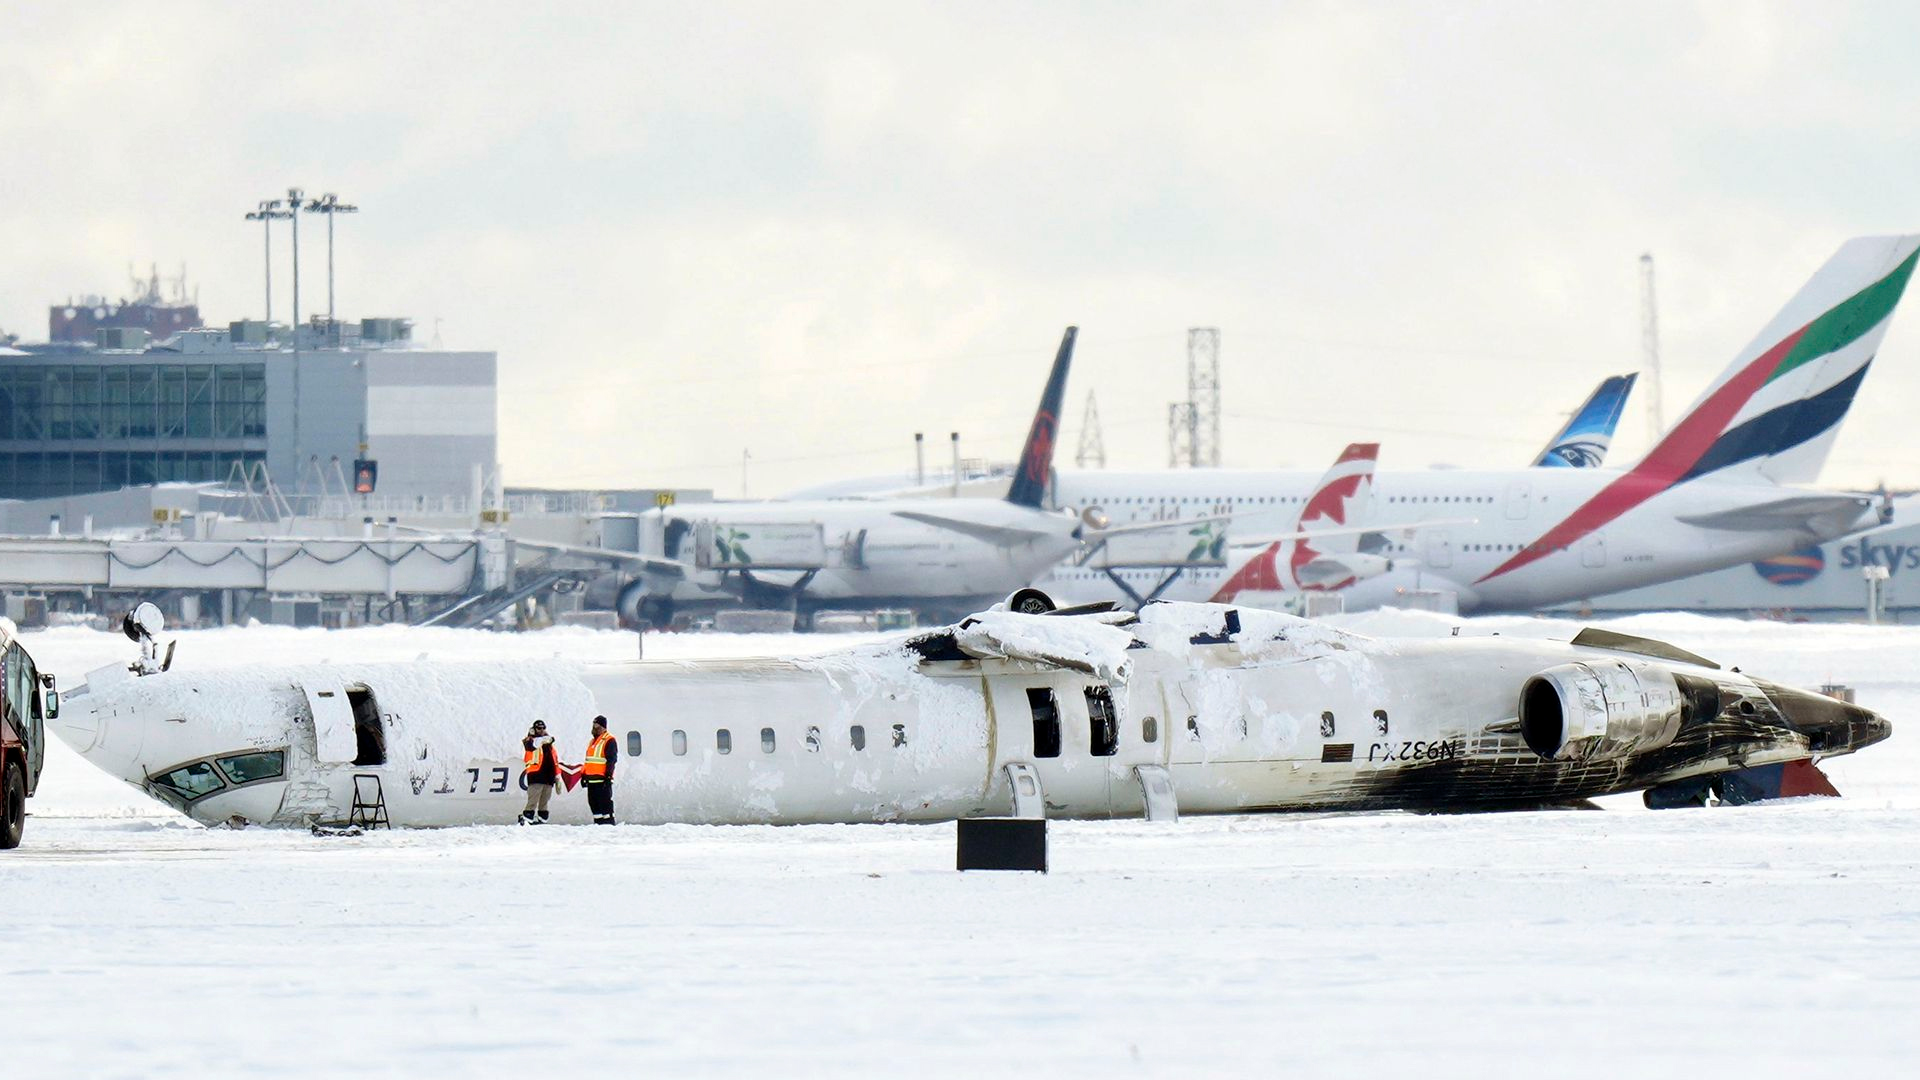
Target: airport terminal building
{"type": "Point", "coordinates": [80, 417]}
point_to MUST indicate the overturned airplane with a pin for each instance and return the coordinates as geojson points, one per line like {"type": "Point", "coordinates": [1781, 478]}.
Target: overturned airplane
{"type": "Point", "coordinates": [1178, 708]}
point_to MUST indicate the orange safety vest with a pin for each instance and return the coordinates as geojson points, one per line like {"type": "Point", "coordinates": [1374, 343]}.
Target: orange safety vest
{"type": "Point", "coordinates": [595, 765]}
{"type": "Point", "coordinates": [533, 757]}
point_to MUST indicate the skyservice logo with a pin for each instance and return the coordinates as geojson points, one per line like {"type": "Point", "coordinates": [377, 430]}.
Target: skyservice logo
{"type": "Point", "coordinates": [1797, 568]}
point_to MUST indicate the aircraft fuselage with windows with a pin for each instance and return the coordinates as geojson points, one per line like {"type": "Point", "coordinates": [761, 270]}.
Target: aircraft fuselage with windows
{"type": "Point", "coordinates": [1195, 708]}
{"type": "Point", "coordinates": [1510, 512]}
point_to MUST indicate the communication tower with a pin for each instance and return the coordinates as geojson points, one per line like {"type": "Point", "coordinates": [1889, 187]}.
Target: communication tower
{"type": "Point", "coordinates": [1193, 425]}
{"type": "Point", "coordinates": [1650, 346]}
{"type": "Point", "coordinates": [1092, 453]}
{"type": "Point", "coordinates": [1203, 393]}
{"type": "Point", "coordinates": [1180, 434]}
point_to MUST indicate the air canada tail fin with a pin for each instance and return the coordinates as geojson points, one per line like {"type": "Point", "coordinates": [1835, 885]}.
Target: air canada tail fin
{"type": "Point", "coordinates": [1342, 497]}
{"type": "Point", "coordinates": [1776, 411]}
{"type": "Point", "coordinates": [1036, 458]}
{"type": "Point", "coordinates": [1583, 442]}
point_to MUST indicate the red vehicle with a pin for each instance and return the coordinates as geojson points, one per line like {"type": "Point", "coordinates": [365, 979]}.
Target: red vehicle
{"type": "Point", "coordinates": [27, 701]}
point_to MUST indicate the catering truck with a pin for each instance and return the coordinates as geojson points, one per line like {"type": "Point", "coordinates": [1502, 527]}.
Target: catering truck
{"type": "Point", "coordinates": [27, 701]}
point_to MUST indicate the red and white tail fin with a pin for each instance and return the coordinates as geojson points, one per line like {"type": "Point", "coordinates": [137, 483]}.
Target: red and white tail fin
{"type": "Point", "coordinates": [1342, 498]}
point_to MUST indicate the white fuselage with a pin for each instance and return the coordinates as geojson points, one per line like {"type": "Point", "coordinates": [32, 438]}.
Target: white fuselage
{"type": "Point", "coordinates": [1511, 509]}
{"type": "Point", "coordinates": [867, 553]}
{"type": "Point", "coordinates": [1285, 714]}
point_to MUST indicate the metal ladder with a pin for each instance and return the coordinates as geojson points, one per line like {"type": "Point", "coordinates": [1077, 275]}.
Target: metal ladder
{"type": "Point", "coordinates": [370, 813]}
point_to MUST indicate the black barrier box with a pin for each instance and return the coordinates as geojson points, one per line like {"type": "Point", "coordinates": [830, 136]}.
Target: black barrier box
{"type": "Point", "coordinates": [1002, 844]}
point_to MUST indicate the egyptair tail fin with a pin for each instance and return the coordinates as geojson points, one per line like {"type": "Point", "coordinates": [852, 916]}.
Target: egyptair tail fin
{"type": "Point", "coordinates": [1777, 409]}
{"type": "Point", "coordinates": [1583, 442]}
{"type": "Point", "coordinates": [1036, 458]}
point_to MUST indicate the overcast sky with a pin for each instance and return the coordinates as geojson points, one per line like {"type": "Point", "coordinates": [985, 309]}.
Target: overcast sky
{"type": "Point", "coordinates": [809, 230]}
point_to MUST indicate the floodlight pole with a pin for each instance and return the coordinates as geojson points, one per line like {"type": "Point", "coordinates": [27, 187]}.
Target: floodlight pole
{"type": "Point", "coordinates": [294, 195]}
{"type": "Point", "coordinates": [330, 204]}
{"type": "Point", "coordinates": [269, 210]}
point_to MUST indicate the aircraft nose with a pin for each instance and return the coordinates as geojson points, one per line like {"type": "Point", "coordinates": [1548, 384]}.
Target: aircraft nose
{"type": "Point", "coordinates": [1830, 725]}
{"type": "Point", "coordinates": [104, 729]}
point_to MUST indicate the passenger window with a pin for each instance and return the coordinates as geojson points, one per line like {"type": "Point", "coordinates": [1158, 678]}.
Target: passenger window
{"type": "Point", "coordinates": [766, 740]}
{"type": "Point", "coordinates": [1046, 722]}
{"type": "Point", "coordinates": [1149, 729]}
{"type": "Point", "coordinates": [633, 744]}
{"type": "Point", "coordinates": [813, 740]}
{"type": "Point", "coordinates": [859, 735]}
{"type": "Point", "coordinates": [723, 741]}
{"type": "Point", "coordinates": [1193, 728]}
{"type": "Point", "coordinates": [1326, 725]}
{"type": "Point", "coordinates": [679, 744]}
{"type": "Point", "coordinates": [1380, 721]}
{"type": "Point", "coordinates": [1104, 731]}
{"type": "Point", "coordinates": [899, 734]}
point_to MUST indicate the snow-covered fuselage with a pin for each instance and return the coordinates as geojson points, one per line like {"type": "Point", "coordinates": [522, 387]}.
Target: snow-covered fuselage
{"type": "Point", "coordinates": [1242, 710]}
{"type": "Point", "coordinates": [1649, 542]}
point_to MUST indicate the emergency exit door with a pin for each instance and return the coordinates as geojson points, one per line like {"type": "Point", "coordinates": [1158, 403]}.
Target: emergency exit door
{"type": "Point", "coordinates": [333, 737]}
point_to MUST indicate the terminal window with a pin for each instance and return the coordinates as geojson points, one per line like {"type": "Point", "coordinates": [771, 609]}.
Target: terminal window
{"type": "Point", "coordinates": [72, 428]}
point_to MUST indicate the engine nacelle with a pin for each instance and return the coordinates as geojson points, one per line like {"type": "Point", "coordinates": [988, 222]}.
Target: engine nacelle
{"type": "Point", "coordinates": [1599, 709]}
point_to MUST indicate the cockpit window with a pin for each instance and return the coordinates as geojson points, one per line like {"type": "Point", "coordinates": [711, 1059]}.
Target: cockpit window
{"type": "Point", "coordinates": [246, 768]}
{"type": "Point", "coordinates": [192, 781]}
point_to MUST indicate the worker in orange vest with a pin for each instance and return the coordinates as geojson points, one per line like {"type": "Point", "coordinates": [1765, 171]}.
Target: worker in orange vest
{"type": "Point", "coordinates": [597, 772]}
{"type": "Point", "coordinates": [543, 771]}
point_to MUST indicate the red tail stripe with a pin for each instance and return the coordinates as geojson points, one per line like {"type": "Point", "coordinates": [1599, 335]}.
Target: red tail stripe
{"type": "Point", "coordinates": [1665, 463]}
{"type": "Point", "coordinates": [1258, 573]}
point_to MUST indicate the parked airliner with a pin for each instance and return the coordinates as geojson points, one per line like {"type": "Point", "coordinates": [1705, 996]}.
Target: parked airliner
{"type": "Point", "coordinates": [1180, 708]}
{"type": "Point", "coordinates": [1713, 492]}
{"type": "Point", "coordinates": [921, 552]}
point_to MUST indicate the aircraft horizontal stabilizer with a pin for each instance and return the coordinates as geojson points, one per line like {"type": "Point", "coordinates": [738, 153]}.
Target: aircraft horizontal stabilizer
{"type": "Point", "coordinates": [1001, 535]}
{"type": "Point", "coordinates": [1780, 513]}
{"type": "Point", "coordinates": [1347, 530]}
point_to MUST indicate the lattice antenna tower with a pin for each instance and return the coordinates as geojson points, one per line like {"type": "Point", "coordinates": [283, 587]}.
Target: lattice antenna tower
{"type": "Point", "coordinates": [1180, 434]}
{"type": "Point", "coordinates": [1203, 395]}
{"type": "Point", "coordinates": [1092, 453]}
{"type": "Point", "coordinates": [1650, 348]}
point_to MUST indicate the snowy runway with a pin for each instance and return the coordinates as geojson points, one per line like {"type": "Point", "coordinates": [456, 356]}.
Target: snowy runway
{"type": "Point", "coordinates": [1771, 940]}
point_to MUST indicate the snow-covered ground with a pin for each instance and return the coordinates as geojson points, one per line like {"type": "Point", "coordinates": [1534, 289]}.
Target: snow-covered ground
{"type": "Point", "coordinates": [1772, 940]}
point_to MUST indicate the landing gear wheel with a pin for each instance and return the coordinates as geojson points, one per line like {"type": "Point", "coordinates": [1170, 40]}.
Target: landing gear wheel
{"type": "Point", "coordinates": [13, 807]}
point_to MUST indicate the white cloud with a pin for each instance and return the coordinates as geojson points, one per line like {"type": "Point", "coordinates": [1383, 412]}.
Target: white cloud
{"type": "Point", "coordinates": [812, 231]}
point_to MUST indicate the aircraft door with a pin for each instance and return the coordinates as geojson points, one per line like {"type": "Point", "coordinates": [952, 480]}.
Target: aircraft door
{"type": "Point", "coordinates": [1439, 549]}
{"type": "Point", "coordinates": [1593, 552]}
{"type": "Point", "coordinates": [333, 736]}
{"type": "Point", "coordinates": [1067, 730]}
{"type": "Point", "coordinates": [1519, 497]}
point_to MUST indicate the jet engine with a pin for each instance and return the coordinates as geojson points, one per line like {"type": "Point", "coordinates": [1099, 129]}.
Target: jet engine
{"type": "Point", "coordinates": [1330, 569]}
{"type": "Point", "coordinates": [1598, 710]}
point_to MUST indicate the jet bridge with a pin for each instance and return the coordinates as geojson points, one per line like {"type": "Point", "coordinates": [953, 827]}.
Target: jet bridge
{"type": "Point", "coordinates": [288, 565]}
